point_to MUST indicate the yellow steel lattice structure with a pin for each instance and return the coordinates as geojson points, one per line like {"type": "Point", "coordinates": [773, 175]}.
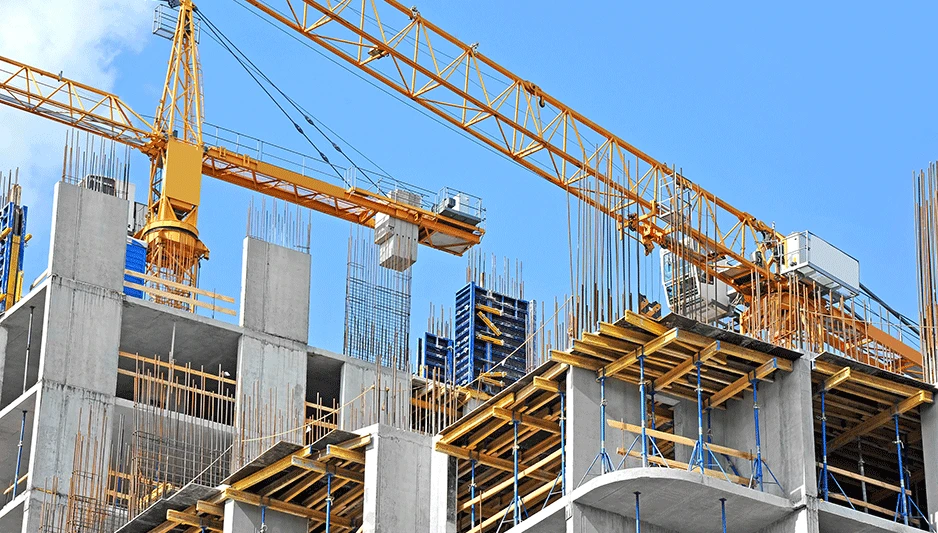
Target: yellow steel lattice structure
{"type": "Point", "coordinates": [397, 46]}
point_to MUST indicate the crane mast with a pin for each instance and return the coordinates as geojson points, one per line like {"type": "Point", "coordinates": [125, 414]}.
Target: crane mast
{"type": "Point", "coordinates": [180, 157]}
{"type": "Point", "coordinates": [174, 250]}
{"type": "Point", "coordinates": [400, 48]}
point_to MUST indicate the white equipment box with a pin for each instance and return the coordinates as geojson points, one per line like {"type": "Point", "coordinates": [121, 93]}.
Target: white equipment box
{"type": "Point", "coordinates": [821, 262]}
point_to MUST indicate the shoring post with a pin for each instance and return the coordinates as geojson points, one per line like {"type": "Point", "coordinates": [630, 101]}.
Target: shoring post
{"type": "Point", "coordinates": [903, 504]}
{"type": "Point", "coordinates": [263, 528]}
{"type": "Point", "coordinates": [29, 342]}
{"type": "Point", "coordinates": [757, 471]}
{"type": "Point", "coordinates": [19, 456]}
{"type": "Point", "coordinates": [638, 517]}
{"type": "Point", "coordinates": [862, 465]}
{"type": "Point", "coordinates": [824, 487]}
{"type": "Point", "coordinates": [472, 492]}
{"type": "Point", "coordinates": [563, 444]}
{"type": "Point", "coordinates": [516, 504]}
{"type": "Point", "coordinates": [605, 463]}
{"type": "Point", "coordinates": [709, 435]}
{"type": "Point", "coordinates": [328, 502]}
{"type": "Point", "coordinates": [698, 457]}
{"type": "Point", "coordinates": [641, 388]}
{"type": "Point", "coordinates": [723, 512]}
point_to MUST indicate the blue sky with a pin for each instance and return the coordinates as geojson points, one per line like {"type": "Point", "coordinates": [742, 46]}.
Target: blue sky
{"type": "Point", "coordinates": [809, 115]}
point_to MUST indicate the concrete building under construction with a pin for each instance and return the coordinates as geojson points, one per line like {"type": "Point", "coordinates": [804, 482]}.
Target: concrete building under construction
{"type": "Point", "coordinates": [768, 391]}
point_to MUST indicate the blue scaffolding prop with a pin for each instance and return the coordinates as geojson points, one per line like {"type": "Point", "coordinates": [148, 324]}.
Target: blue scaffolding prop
{"type": "Point", "coordinates": [723, 512]}
{"type": "Point", "coordinates": [906, 507]}
{"type": "Point", "coordinates": [602, 458]}
{"type": "Point", "coordinates": [517, 504]}
{"type": "Point", "coordinates": [827, 475]}
{"type": "Point", "coordinates": [759, 467]}
{"type": "Point", "coordinates": [638, 514]}
{"type": "Point", "coordinates": [643, 436]}
{"type": "Point", "coordinates": [329, 501]}
{"type": "Point", "coordinates": [472, 492]}
{"type": "Point", "coordinates": [702, 454]}
{"type": "Point", "coordinates": [561, 476]}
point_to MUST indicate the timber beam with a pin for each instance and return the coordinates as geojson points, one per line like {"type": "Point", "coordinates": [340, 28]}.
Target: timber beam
{"type": "Point", "coordinates": [876, 421]}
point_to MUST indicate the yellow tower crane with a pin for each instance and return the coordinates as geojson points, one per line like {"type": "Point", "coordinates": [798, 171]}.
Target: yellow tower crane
{"type": "Point", "coordinates": [180, 157]}
{"type": "Point", "coordinates": [400, 48]}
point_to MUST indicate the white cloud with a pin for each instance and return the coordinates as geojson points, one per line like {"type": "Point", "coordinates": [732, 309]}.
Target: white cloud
{"type": "Point", "coordinates": [80, 38]}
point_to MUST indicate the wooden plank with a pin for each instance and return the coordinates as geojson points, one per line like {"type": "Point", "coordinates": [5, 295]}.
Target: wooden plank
{"type": "Point", "coordinates": [645, 323]}
{"type": "Point", "coordinates": [180, 286]}
{"type": "Point", "coordinates": [545, 384]}
{"type": "Point", "coordinates": [680, 439]}
{"type": "Point", "coordinates": [337, 452]}
{"type": "Point", "coordinates": [468, 424]}
{"type": "Point", "coordinates": [356, 442]}
{"type": "Point", "coordinates": [647, 349]}
{"type": "Point", "coordinates": [865, 479]}
{"type": "Point", "coordinates": [680, 370]}
{"type": "Point", "coordinates": [488, 460]}
{"type": "Point", "coordinates": [323, 468]}
{"type": "Point", "coordinates": [860, 503]}
{"type": "Point", "coordinates": [624, 334]}
{"type": "Point", "coordinates": [488, 309]}
{"type": "Point", "coordinates": [575, 360]}
{"type": "Point", "coordinates": [838, 378]}
{"type": "Point", "coordinates": [205, 507]}
{"type": "Point", "coordinates": [742, 383]}
{"type": "Point", "coordinates": [510, 481]}
{"type": "Point", "coordinates": [526, 420]}
{"type": "Point", "coordinates": [876, 421]}
{"type": "Point", "coordinates": [671, 463]}
{"type": "Point", "coordinates": [284, 507]}
{"type": "Point", "coordinates": [875, 382]}
{"type": "Point", "coordinates": [269, 471]}
{"type": "Point", "coordinates": [526, 501]}
{"type": "Point", "coordinates": [175, 297]}
{"type": "Point", "coordinates": [491, 325]}
{"type": "Point", "coordinates": [486, 338]}
{"type": "Point", "coordinates": [187, 519]}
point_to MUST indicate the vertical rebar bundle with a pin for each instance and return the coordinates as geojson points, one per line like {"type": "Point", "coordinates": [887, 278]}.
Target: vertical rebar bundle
{"type": "Point", "coordinates": [926, 240]}
{"type": "Point", "coordinates": [377, 307]}
{"type": "Point", "coordinates": [284, 225]}
{"type": "Point", "coordinates": [96, 163]}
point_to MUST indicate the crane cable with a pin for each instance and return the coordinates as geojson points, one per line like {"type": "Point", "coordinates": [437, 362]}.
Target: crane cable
{"type": "Point", "coordinates": [254, 71]}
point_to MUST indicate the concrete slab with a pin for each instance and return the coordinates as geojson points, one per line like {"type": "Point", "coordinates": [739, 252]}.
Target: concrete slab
{"type": "Point", "coordinates": [835, 518]}
{"type": "Point", "coordinates": [674, 499]}
{"type": "Point", "coordinates": [553, 519]}
{"type": "Point", "coordinates": [147, 329]}
{"type": "Point", "coordinates": [155, 514]}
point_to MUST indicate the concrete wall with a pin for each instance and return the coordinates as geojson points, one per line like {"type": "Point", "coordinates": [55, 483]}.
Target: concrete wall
{"type": "Point", "coordinates": [443, 490]}
{"type": "Point", "coordinates": [272, 351]}
{"type": "Point", "coordinates": [275, 285]}
{"type": "Point", "coordinates": [584, 421]}
{"type": "Point", "coordinates": [368, 398]}
{"type": "Point", "coordinates": [929, 414]}
{"type": "Point", "coordinates": [244, 518]}
{"type": "Point", "coordinates": [78, 355]}
{"type": "Point", "coordinates": [585, 519]}
{"type": "Point", "coordinates": [397, 481]}
{"type": "Point", "coordinates": [786, 431]}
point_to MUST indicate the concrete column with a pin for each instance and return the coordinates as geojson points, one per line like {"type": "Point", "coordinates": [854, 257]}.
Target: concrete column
{"type": "Point", "coordinates": [245, 518]}
{"type": "Point", "coordinates": [78, 351]}
{"type": "Point", "coordinates": [583, 422]}
{"type": "Point", "coordinates": [369, 394]}
{"type": "Point", "coordinates": [929, 414]}
{"type": "Point", "coordinates": [397, 491]}
{"type": "Point", "coordinates": [787, 420]}
{"type": "Point", "coordinates": [272, 355]}
{"type": "Point", "coordinates": [275, 285]}
{"type": "Point", "coordinates": [442, 493]}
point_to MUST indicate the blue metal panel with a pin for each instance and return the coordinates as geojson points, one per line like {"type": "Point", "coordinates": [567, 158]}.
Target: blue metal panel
{"type": "Point", "coordinates": [475, 356]}
{"type": "Point", "coordinates": [136, 261]}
